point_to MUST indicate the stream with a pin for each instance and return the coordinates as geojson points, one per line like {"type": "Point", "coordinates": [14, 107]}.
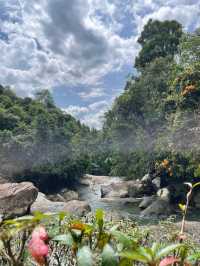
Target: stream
{"type": "Point", "coordinates": [90, 191]}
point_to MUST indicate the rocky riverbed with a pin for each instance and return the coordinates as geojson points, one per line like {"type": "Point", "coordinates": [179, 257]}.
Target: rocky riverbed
{"type": "Point", "coordinates": [144, 200]}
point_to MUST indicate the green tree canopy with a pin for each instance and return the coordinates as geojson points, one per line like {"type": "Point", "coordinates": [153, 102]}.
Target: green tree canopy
{"type": "Point", "coordinates": [158, 39]}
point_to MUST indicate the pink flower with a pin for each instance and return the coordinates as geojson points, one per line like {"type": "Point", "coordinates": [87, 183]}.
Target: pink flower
{"type": "Point", "coordinates": [37, 247]}
{"type": "Point", "coordinates": [168, 261]}
{"type": "Point", "coordinates": [40, 232]}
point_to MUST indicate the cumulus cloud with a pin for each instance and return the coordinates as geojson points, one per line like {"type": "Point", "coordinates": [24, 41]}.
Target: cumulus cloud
{"type": "Point", "coordinates": [186, 12]}
{"type": "Point", "coordinates": [51, 43]}
{"type": "Point", "coordinates": [76, 111]}
{"type": "Point", "coordinates": [92, 93]}
{"type": "Point", "coordinates": [92, 115]}
{"type": "Point", "coordinates": [59, 42]}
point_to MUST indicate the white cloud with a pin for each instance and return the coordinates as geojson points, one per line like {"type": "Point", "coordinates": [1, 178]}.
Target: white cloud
{"type": "Point", "coordinates": [92, 93]}
{"type": "Point", "coordinates": [76, 111]}
{"type": "Point", "coordinates": [50, 43]}
{"type": "Point", "coordinates": [186, 12]}
{"type": "Point", "coordinates": [92, 115]}
{"type": "Point", "coordinates": [59, 42]}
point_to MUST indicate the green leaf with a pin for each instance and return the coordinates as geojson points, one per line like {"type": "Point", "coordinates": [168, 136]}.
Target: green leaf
{"type": "Point", "coordinates": [62, 215]}
{"type": "Point", "coordinates": [66, 239]}
{"type": "Point", "coordinates": [109, 257]}
{"type": "Point", "coordinates": [134, 256]}
{"type": "Point", "coordinates": [182, 207]}
{"type": "Point", "coordinates": [194, 257]}
{"type": "Point", "coordinates": [84, 256]}
{"type": "Point", "coordinates": [196, 185]}
{"type": "Point", "coordinates": [123, 239]}
{"type": "Point", "coordinates": [99, 214]}
{"type": "Point", "coordinates": [166, 250]}
{"type": "Point", "coordinates": [155, 247]}
{"type": "Point", "coordinates": [99, 218]}
{"type": "Point", "coordinates": [125, 262]}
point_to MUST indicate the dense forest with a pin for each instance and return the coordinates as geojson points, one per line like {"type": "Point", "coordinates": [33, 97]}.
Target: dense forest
{"type": "Point", "coordinates": [153, 126]}
{"type": "Point", "coordinates": [39, 142]}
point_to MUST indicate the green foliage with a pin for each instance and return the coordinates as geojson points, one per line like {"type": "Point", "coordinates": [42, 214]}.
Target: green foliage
{"type": "Point", "coordinates": [158, 39]}
{"type": "Point", "coordinates": [80, 243]}
{"type": "Point", "coordinates": [157, 115]}
{"type": "Point", "coordinates": [41, 143]}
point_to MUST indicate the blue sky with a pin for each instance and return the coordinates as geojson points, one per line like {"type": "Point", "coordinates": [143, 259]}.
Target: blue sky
{"type": "Point", "coordinates": [82, 50]}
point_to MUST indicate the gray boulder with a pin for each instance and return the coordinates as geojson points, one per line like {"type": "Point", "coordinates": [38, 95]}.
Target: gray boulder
{"type": "Point", "coordinates": [139, 189]}
{"type": "Point", "coordinates": [146, 178]}
{"type": "Point", "coordinates": [156, 183]}
{"type": "Point", "coordinates": [157, 208]}
{"type": "Point", "coordinates": [69, 194]}
{"type": "Point", "coordinates": [160, 206]}
{"type": "Point", "coordinates": [75, 207]}
{"type": "Point", "coordinates": [16, 198]}
{"type": "Point", "coordinates": [146, 201]}
{"type": "Point", "coordinates": [64, 195]}
{"type": "Point", "coordinates": [119, 190]}
{"type": "Point", "coordinates": [164, 194]}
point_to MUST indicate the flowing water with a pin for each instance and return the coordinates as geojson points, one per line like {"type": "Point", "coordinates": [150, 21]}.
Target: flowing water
{"type": "Point", "coordinates": [124, 208]}
{"type": "Point", "coordinates": [127, 208]}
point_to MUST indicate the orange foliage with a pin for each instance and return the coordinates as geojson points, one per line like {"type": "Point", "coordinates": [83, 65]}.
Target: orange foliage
{"type": "Point", "coordinates": [188, 89]}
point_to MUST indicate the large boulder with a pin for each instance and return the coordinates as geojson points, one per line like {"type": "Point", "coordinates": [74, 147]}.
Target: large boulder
{"type": "Point", "coordinates": [69, 194]}
{"type": "Point", "coordinates": [146, 201]}
{"type": "Point", "coordinates": [126, 189]}
{"type": "Point", "coordinates": [16, 198]}
{"type": "Point", "coordinates": [157, 208]}
{"type": "Point", "coordinates": [139, 189]}
{"type": "Point", "coordinates": [75, 207]}
{"type": "Point", "coordinates": [160, 206]}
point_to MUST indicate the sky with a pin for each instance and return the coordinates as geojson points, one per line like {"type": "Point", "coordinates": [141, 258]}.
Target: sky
{"type": "Point", "coordinates": [83, 51]}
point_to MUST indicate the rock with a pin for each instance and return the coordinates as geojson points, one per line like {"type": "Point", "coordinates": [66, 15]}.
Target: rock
{"type": "Point", "coordinates": [75, 207]}
{"type": "Point", "coordinates": [119, 190]}
{"type": "Point", "coordinates": [3, 180]}
{"type": "Point", "coordinates": [69, 195]}
{"type": "Point", "coordinates": [64, 196]}
{"type": "Point", "coordinates": [16, 198]}
{"type": "Point", "coordinates": [157, 208]}
{"type": "Point", "coordinates": [55, 197]}
{"type": "Point", "coordinates": [146, 201]}
{"type": "Point", "coordinates": [156, 183]}
{"type": "Point", "coordinates": [164, 194]}
{"type": "Point", "coordinates": [139, 189]}
{"type": "Point", "coordinates": [146, 178]}
{"type": "Point", "coordinates": [160, 205]}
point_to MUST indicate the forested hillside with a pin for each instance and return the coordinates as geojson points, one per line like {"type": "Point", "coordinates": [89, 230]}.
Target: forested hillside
{"type": "Point", "coordinates": [154, 125]}
{"type": "Point", "coordinates": [41, 143]}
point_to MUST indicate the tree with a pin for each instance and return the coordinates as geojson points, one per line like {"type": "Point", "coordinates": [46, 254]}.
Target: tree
{"type": "Point", "coordinates": [158, 39]}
